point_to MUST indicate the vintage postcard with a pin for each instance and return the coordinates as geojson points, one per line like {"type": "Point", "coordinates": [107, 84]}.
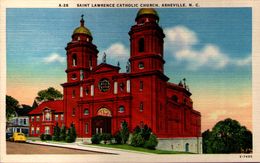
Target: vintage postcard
{"type": "Point", "coordinates": [130, 81]}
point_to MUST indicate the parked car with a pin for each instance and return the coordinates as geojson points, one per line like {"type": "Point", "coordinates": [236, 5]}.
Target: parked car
{"type": "Point", "coordinates": [18, 137]}
{"type": "Point", "coordinates": [8, 135]}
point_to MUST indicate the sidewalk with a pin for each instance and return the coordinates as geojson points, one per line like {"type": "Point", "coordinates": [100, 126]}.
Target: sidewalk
{"type": "Point", "coordinates": [81, 146]}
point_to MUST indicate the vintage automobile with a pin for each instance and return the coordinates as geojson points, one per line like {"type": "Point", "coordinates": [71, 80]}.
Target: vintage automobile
{"type": "Point", "coordinates": [18, 137]}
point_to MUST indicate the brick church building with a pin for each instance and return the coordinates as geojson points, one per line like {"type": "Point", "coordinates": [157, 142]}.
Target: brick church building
{"type": "Point", "coordinates": [98, 98]}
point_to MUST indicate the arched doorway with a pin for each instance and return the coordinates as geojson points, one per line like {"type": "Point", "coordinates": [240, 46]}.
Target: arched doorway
{"type": "Point", "coordinates": [187, 147]}
{"type": "Point", "coordinates": [102, 122]}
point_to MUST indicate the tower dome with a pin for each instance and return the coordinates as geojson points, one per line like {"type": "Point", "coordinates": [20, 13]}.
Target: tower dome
{"type": "Point", "coordinates": [82, 29]}
{"type": "Point", "coordinates": [147, 11]}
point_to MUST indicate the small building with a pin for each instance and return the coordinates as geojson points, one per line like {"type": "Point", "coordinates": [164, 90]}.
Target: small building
{"type": "Point", "coordinates": [20, 121]}
{"type": "Point", "coordinates": [45, 116]}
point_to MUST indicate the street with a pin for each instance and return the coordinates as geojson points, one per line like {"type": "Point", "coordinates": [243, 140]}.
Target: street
{"type": "Point", "coordinates": [25, 148]}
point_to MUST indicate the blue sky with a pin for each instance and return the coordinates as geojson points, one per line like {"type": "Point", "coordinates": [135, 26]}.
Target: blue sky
{"type": "Point", "coordinates": [210, 47]}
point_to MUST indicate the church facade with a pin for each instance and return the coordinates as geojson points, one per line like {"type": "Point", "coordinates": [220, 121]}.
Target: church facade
{"type": "Point", "coordinates": [98, 98]}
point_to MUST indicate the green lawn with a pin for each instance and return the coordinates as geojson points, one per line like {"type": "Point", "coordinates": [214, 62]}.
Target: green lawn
{"type": "Point", "coordinates": [140, 149]}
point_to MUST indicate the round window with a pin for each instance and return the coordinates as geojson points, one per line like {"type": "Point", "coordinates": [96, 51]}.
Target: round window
{"type": "Point", "coordinates": [104, 85]}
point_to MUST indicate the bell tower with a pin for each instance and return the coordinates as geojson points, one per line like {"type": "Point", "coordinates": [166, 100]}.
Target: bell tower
{"type": "Point", "coordinates": [81, 59]}
{"type": "Point", "coordinates": [147, 70]}
{"type": "Point", "coordinates": [146, 39]}
{"type": "Point", "coordinates": [81, 54]}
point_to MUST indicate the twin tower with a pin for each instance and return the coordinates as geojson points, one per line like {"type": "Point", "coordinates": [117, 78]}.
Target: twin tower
{"type": "Point", "coordinates": [146, 38]}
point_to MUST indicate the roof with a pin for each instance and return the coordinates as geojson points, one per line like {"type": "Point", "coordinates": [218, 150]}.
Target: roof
{"type": "Point", "coordinates": [24, 110]}
{"type": "Point", "coordinates": [104, 67]}
{"type": "Point", "coordinates": [56, 106]}
{"type": "Point", "coordinates": [82, 29]}
{"type": "Point", "coordinates": [179, 88]}
{"type": "Point", "coordinates": [147, 11]}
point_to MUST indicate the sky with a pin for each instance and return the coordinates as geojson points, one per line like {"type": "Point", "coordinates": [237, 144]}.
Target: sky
{"type": "Point", "coordinates": [210, 47]}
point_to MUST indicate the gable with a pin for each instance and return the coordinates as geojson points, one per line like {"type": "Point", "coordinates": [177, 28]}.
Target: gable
{"type": "Point", "coordinates": [103, 67]}
{"type": "Point", "coordinates": [56, 106]}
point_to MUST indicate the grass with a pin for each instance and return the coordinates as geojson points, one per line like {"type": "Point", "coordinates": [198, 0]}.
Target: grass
{"type": "Point", "coordinates": [140, 149]}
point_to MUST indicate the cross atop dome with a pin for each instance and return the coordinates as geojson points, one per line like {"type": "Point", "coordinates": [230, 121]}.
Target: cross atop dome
{"type": "Point", "coordinates": [82, 21]}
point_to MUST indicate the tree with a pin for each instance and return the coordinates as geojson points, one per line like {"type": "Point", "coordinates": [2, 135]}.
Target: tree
{"type": "Point", "coordinates": [118, 138]}
{"type": "Point", "coordinates": [146, 132]}
{"type": "Point", "coordinates": [227, 136]}
{"type": "Point", "coordinates": [63, 133]}
{"type": "Point", "coordinates": [124, 132]}
{"type": "Point", "coordinates": [205, 140]}
{"type": "Point", "coordinates": [68, 136]}
{"type": "Point", "coordinates": [137, 140]}
{"type": "Point", "coordinates": [56, 134]}
{"type": "Point", "coordinates": [49, 94]}
{"type": "Point", "coordinates": [11, 105]}
{"type": "Point", "coordinates": [96, 139]}
{"type": "Point", "coordinates": [152, 142]}
{"type": "Point", "coordinates": [143, 137]}
{"type": "Point", "coordinates": [73, 132]}
{"type": "Point", "coordinates": [137, 129]}
{"type": "Point", "coordinates": [106, 137]}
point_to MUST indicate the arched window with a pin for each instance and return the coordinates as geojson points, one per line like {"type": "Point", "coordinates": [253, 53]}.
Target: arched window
{"type": "Point", "coordinates": [86, 112]}
{"type": "Point", "coordinates": [73, 94]}
{"type": "Point", "coordinates": [47, 116]}
{"type": "Point", "coordinates": [141, 85]}
{"type": "Point", "coordinates": [141, 45]}
{"type": "Point", "coordinates": [141, 106]}
{"type": "Point", "coordinates": [90, 61]}
{"type": "Point", "coordinates": [74, 60]}
{"type": "Point", "coordinates": [121, 109]}
{"type": "Point", "coordinates": [73, 112]}
{"type": "Point", "coordinates": [175, 98]}
{"type": "Point", "coordinates": [86, 128]}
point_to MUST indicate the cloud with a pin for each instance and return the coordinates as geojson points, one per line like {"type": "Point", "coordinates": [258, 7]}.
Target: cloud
{"type": "Point", "coordinates": [180, 37]}
{"type": "Point", "coordinates": [116, 52]}
{"type": "Point", "coordinates": [180, 42]}
{"type": "Point", "coordinates": [243, 61]}
{"type": "Point", "coordinates": [54, 57]}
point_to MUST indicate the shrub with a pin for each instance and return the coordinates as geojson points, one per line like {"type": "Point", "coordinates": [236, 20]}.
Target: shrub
{"type": "Point", "coordinates": [137, 140]}
{"type": "Point", "coordinates": [56, 135]}
{"type": "Point", "coordinates": [118, 138]}
{"type": "Point", "coordinates": [42, 137]}
{"type": "Point", "coordinates": [63, 133]}
{"type": "Point", "coordinates": [146, 132]}
{"type": "Point", "coordinates": [48, 137]}
{"type": "Point", "coordinates": [73, 133]}
{"type": "Point", "coordinates": [137, 130]}
{"type": "Point", "coordinates": [69, 138]}
{"type": "Point", "coordinates": [152, 142]}
{"type": "Point", "coordinates": [106, 137]}
{"type": "Point", "coordinates": [124, 132]}
{"type": "Point", "coordinates": [96, 139]}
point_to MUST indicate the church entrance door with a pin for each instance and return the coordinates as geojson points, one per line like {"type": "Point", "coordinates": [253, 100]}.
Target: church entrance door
{"type": "Point", "coordinates": [101, 124]}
